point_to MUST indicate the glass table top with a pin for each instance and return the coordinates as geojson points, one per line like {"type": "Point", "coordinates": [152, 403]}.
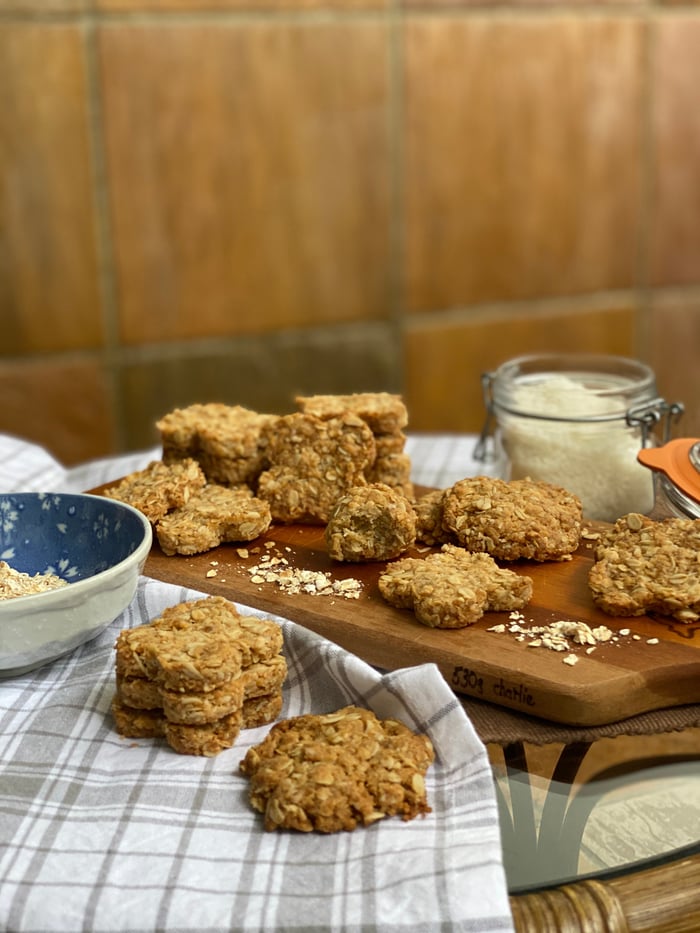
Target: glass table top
{"type": "Point", "coordinates": [594, 810]}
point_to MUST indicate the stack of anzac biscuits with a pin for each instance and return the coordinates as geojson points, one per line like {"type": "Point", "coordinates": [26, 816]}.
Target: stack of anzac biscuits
{"type": "Point", "coordinates": [197, 675]}
{"type": "Point", "coordinates": [227, 473]}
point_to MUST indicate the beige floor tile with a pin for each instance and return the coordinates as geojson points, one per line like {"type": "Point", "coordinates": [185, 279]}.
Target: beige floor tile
{"type": "Point", "coordinates": [264, 374]}
{"type": "Point", "coordinates": [197, 6]}
{"type": "Point", "coordinates": [675, 355]}
{"type": "Point", "coordinates": [444, 364]}
{"type": "Point", "coordinates": [249, 175]}
{"type": "Point", "coordinates": [64, 406]}
{"type": "Point", "coordinates": [676, 140]}
{"type": "Point", "coordinates": [49, 292]}
{"type": "Point", "coordinates": [43, 6]}
{"type": "Point", "coordinates": [521, 152]}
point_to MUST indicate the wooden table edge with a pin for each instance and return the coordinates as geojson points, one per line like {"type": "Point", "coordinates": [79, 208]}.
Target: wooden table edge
{"type": "Point", "coordinates": [663, 899]}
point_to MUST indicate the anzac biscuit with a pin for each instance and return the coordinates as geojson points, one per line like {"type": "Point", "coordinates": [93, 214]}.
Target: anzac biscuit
{"type": "Point", "coordinates": [224, 439]}
{"type": "Point", "coordinates": [179, 659]}
{"type": "Point", "coordinates": [159, 488]}
{"type": "Point", "coordinates": [261, 710]}
{"type": "Point", "coordinates": [648, 566]}
{"type": "Point", "coordinates": [264, 677]}
{"type": "Point", "coordinates": [255, 639]}
{"type": "Point", "coordinates": [196, 708]}
{"type": "Point", "coordinates": [337, 771]}
{"type": "Point", "coordinates": [383, 412]}
{"type": "Point", "coordinates": [453, 588]}
{"type": "Point", "coordinates": [390, 444]}
{"type": "Point", "coordinates": [429, 527]}
{"type": "Point", "coordinates": [516, 520]}
{"type": "Point", "coordinates": [208, 739]}
{"type": "Point", "coordinates": [137, 723]}
{"type": "Point", "coordinates": [138, 692]}
{"type": "Point", "coordinates": [312, 463]}
{"type": "Point", "coordinates": [394, 470]}
{"type": "Point", "coordinates": [215, 515]}
{"type": "Point", "coordinates": [133, 652]}
{"type": "Point", "coordinates": [371, 522]}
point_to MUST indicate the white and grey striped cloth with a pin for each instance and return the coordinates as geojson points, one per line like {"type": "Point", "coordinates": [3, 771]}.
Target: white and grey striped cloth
{"type": "Point", "coordinates": [100, 833]}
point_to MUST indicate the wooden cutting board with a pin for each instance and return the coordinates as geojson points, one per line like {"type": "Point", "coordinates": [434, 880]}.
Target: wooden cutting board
{"type": "Point", "coordinates": [656, 665]}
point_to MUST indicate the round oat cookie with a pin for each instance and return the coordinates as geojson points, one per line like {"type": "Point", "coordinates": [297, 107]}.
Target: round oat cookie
{"type": "Point", "coordinates": [192, 659]}
{"type": "Point", "coordinates": [429, 527]}
{"type": "Point", "coordinates": [312, 462]}
{"type": "Point", "coordinates": [208, 739]}
{"type": "Point", "coordinates": [396, 582]}
{"type": "Point", "coordinates": [516, 520]}
{"type": "Point", "coordinates": [644, 566]}
{"type": "Point", "coordinates": [214, 515]}
{"type": "Point", "coordinates": [261, 710]}
{"type": "Point", "coordinates": [338, 771]}
{"type": "Point", "coordinates": [197, 708]}
{"type": "Point", "coordinates": [369, 523]}
{"type": "Point", "coordinates": [137, 723]}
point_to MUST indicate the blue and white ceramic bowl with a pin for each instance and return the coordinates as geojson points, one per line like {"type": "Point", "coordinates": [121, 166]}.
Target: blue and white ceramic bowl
{"type": "Point", "coordinates": [97, 545]}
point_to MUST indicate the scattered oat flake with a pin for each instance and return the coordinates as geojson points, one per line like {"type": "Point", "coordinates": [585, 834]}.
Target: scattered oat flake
{"type": "Point", "coordinates": [276, 571]}
{"type": "Point", "coordinates": [571, 659]}
{"type": "Point", "coordinates": [652, 641]}
{"type": "Point", "coordinates": [212, 573]}
{"type": "Point", "coordinates": [561, 635]}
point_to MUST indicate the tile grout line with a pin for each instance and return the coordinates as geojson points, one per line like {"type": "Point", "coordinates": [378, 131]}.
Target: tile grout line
{"type": "Point", "coordinates": [646, 194]}
{"type": "Point", "coordinates": [103, 231]}
{"type": "Point", "coordinates": [397, 191]}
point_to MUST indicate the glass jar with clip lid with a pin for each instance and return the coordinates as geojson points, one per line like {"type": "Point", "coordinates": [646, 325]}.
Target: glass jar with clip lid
{"type": "Point", "coordinates": [577, 420]}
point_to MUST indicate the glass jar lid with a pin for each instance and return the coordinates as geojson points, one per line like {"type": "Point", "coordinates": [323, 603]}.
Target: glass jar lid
{"type": "Point", "coordinates": [585, 387]}
{"type": "Point", "coordinates": [679, 462]}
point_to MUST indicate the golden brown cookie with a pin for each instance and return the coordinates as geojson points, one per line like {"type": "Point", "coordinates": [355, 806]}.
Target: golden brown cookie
{"type": "Point", "coordinates": [453, 588]}
{"type": "Point", "coordinates": [264, 677]}
{"type": "Point", "coordinates": [261, 710]}
{"type": "Point", "coordinates": [137, 723]}
{"type": "Point", "coordinates": [370, 523]}
{"type": "Point", "coordinates": [208, 739]}
{"type": "Point", "coordinates": [256, 639]}
{"type": "Point", "coordinates": [214, 515]}
{"type": "Point", "coordinates": [224, 439]}
{"type": "Point", "coordinates": [516, 520]}
{"type": "Point", "coordinates": [648, 566]}
{"type": "Point", "coordinates": [138, 692]}
{"type": "Point", "coordinates": [159, 488]}
{"type": "Point", "coordinates": [312, 463]}
{"type": "Point", "coordinates": [393, 470]}
{"type": "Point", "coordinates": [196, 708]}
{"type": "Point", "coordinates": [429, 527]}
{"type": "Point", "coordinates": [383, 412]}
{"type": "Point", "coordinates": [197, 674]}
{"type": "Point", "coordinates": [179, 659]}
{"type": "Point", "coordinates": [338, 771]}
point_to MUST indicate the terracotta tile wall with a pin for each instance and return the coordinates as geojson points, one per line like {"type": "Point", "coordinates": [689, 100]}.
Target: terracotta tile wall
{"type": "Point", "coordinates": [245, 199]}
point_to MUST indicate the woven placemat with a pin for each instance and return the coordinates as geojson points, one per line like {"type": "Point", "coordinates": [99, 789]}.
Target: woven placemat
{"type": "Point", "coordinates": [500, 726]}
